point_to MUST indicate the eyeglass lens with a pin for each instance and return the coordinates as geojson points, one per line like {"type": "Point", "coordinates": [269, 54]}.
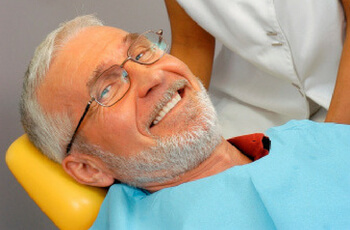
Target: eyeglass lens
{"type": "Point", "coordinates": [114, 82]}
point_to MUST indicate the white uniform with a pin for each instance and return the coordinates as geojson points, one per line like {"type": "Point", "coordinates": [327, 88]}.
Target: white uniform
{"type": "Point", "coordinates": [279, 59]}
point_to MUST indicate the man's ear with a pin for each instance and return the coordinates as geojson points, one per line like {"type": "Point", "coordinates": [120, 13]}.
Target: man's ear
{"type": "Point", "coordinates": [88, 170]}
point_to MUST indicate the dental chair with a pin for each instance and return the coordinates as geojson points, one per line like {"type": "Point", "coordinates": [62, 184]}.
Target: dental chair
{"type": "Point", "coordinates": [67, 203]}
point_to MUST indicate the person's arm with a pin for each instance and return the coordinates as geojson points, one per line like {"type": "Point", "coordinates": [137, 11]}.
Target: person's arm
{"type": "Point", "coordinates": [191, 43]}
{"type": "Point", "coordinates": [339, 110]}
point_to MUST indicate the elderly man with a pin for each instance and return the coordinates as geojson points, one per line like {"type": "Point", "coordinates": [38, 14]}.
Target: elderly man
{"type": "Point", "coordinates": [114, 106]}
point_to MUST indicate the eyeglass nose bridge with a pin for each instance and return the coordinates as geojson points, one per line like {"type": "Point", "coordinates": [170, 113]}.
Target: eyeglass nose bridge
{"type": "Point", "coordinates": [126, 60]}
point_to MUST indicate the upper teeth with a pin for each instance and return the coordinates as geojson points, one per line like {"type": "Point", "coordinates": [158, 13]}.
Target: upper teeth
{"type": "Point", "coordinates": [167, 108]}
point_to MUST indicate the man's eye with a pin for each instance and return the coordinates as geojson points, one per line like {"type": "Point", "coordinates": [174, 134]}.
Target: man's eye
{"type": "Point", "coordinates": [105, 92]}
{"type": "Point", "coordinates": [139, 56]}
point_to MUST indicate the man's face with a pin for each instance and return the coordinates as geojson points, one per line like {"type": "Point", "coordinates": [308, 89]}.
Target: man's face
{"type": "Point", "coordinates": [134, 124]}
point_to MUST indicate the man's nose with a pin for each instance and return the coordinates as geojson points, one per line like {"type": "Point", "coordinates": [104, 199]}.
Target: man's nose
{"type": "Point", "coordinates": [145, 78]}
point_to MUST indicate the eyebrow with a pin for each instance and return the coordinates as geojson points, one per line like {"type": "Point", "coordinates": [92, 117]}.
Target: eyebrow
{"type": "Point", "coordinates": [100, 68]}
{"type": "Point", "coordinates": [130, 37]}
{"type": "Point", "coordinates": [95, 74]}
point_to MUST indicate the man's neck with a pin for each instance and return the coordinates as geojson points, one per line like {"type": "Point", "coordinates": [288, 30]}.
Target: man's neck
{"type": "Point", "coordinates": [223, 157]}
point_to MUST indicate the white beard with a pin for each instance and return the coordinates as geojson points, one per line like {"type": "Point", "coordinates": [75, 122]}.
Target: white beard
{"type": "Point", "coordinates": [174, 155]}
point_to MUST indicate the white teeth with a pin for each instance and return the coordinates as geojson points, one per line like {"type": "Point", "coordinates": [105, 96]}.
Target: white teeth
{"type": "Point", "coordinates": [162, 113]}
{"type": "Point", "coordinates": [167, 108]}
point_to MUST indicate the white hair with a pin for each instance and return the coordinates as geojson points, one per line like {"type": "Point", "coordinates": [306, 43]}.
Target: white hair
{"type": "Point", "coordinates": [49, 132]}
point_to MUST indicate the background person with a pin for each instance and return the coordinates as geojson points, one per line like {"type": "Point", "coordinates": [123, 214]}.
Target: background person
{"type": "Point", "coordinates": [279, 59]}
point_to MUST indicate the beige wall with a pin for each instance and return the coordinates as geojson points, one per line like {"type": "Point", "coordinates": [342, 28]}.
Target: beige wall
{"type": "Point", "coordinates": [23, 24]}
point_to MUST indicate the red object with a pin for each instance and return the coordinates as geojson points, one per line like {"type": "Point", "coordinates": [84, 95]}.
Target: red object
{"type": "Point", "coordinates": [255, 146]}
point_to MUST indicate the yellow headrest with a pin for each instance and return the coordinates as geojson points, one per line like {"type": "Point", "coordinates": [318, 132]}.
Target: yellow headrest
{"type": "Point", "coordinates": [67, 203]}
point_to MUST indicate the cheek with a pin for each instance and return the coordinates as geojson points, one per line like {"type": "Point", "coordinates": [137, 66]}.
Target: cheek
{"type": "Point", "coordinates": [121, 128]}
{"type": "Point", "coordinates": [116, 132]}
{"type": "Point", "coordinates": [116, 126]}
{"type": "Point", "coordinates": [196, 83]}
{"type": "Point", "coordinates": [182, 69]}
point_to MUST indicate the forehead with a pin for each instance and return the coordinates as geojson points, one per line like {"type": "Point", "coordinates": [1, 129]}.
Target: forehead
{"type": "Point", "coordinates": [76, 61]}
{"type": "Point", "coordinates": [94, 47]}
{"type": "Point", "coordinates": [95, 44]}
{"type": "Point", "coordinates": [89, 49]}
{"type": "Point", "coordinates": [97, 47]}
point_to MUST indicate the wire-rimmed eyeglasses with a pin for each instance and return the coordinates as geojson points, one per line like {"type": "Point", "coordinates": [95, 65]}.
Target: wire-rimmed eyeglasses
{"type": "Point", "coordinates": [114, 83]}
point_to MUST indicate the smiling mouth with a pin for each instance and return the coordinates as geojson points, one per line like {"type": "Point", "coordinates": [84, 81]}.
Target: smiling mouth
{"type": "Point", "coordinates": [168, 106]}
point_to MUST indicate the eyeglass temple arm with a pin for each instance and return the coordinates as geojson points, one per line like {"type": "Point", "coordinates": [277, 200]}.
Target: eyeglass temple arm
{"type": "Point", "coordinates": [69, 146]}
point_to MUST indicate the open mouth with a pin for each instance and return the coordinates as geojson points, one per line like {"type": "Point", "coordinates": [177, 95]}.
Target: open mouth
{"type": "Point", "coordinates": [168, 107]}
